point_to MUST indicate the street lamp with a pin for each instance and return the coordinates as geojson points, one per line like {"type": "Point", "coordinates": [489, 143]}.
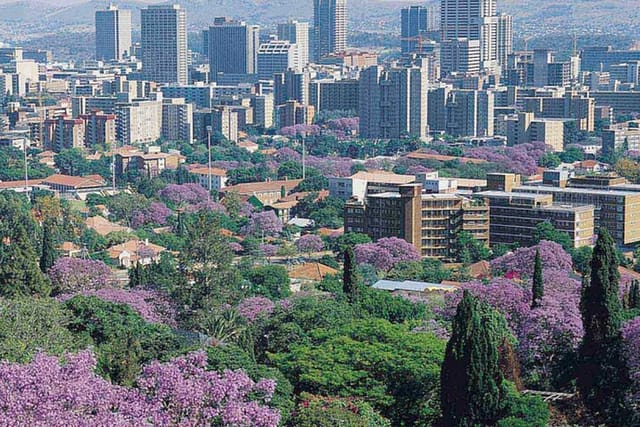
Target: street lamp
{"type": "Point", "coordinates": [209, 163]}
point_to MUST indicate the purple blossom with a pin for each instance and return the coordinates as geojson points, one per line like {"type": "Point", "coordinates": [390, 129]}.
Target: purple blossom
{"type": "Point", "coordinates": [386, 252]}
{"type": "Point", "coordinates": [255, 307]}
{"type": "Point", "coordinates": [287, 154]}
{"type": "Point", "coordinates": [208, 205]}
{"type": "Point", "coordinates": [310, 243]}
{"type": "Point", "coordinates": [76, 274]}
{"type": "Point", "coordinates": [520, 262]}
{"type": "Point", "coordinates": [236, 247]}
{"type": "Point", "coordinates": [180, 392]}
{"type": "Point", "coordinates": [184, 193]}
{"type": "Point", "coordinates": [631, 337]}
{"type": "Point", "coordinates": [522, 158]}
{"type": "Point", "coordinates": [331, 166]}
{"type": "Point", "coordinates": [152, 306]}
{"type": "Point", "coordinates": [156, 213]}
{"type": "Point", "coordinates": [268, 249]}
{"type": "Point", "coordinates": [266, 223]}
{"type": "Point", "coordinates": [300, 130]}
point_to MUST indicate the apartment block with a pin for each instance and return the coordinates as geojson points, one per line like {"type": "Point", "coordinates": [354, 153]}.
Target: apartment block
{"type": "Point", "coordinates": [620, 137]}
{"type": "Point", "coordinates": [524, 128]}
{"type": "Point", "coordinates": [431, 222]}
{"type": "Point", "coordinates": [177, 120]}
{"type": "Point", "coordinates": [515, 216]}
{"type": "Point", "coordinates": [361, 183]}
{"type": "Point", "coordinates": [293, 113]}
{"type": "Point", "coordinates": [63, 132]}
{"type": "Point", "coordinates": [334, 95]}
{"type": "Point", "coordinates": [470, 113]}
{"type": "Point", "coordinates": [139, 121]}
{"type": "Point", "coordinates": [164, 44]}
{"type": "Point", "coordinates": [149, 163]}
{"type": "Point", "coordinates": [100, 129]}
{"type": "Point", "coordinates": [225, 121]}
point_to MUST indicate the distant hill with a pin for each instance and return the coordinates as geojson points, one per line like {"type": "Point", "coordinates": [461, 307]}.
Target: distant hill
{"type": "Point", "coordinates": [591, 15]}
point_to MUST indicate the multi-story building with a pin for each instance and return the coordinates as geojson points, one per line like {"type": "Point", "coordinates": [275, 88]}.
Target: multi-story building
{"type": "Point", "coordinates": [505, 39]}
{"type": "Point", "coordinates": [276, 56]}
{"type": "Point", "coordinates": [620, 137]}
{"type": "Point", "coordinates": [616, 210]}
{"type": "Point", "coordinates": [574, 106]}
{"type": "Point", "coordinates": [600, 58]}
{"type": "Point", "coordinates": [460, 55]}
{"type": "Point", "coordinates": [100, 129]}
{"type": "Point", "coordinates": [218, 177]}
{"type": "Point", "coordinates": [470, 113]}
{"type": "Point", "coordinates": [263, 108]}
{"type": "Point", "coordinates": [199, 95]}
{"type": "Point", "coordinates": [139, 121]}
{"type": "Point", "coordinates": [233, 47]}
{"type": "Point", "coordinates": [63, 132]}
{"type": "Point", "coordinates": [416, 23]}
{"type": "Point", "coordinates": [113, 34]}
{"type": "Point", "coordinates": [474, 20]}
{"type": "Point", "coordinates": [297, 33]}
{"type": "Point", "coordinates": [177, 120]}
{"type": "Point", "coordinates": [515, 216]}
{"type": "Point", "coordinates": [525, 128]}
{"type": "Point", "coordinates": [164, 44]}
{"type": "Point", "coordinates": [291, 85]}
{"type": "Point", "coordinates": [393, 102]}
{"type": "Point", "coordinates": [362, 183]}
{"type": "Point", "coordinates": [430, 222]}
{"type": "Point", "coordinates": [334, 95]}
{"type": "Point", "coordinates": [293, 113]}
{"type": "Point", "coordinates": [329, 27]}
{"type": "Point", "coordinates": [149, 163]}
{"type": "Point", "coordinates": [225, 121]}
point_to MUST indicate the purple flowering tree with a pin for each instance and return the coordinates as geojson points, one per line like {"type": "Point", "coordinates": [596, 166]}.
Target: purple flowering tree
{"type": "Point", "coordinates": [152, 306]}
{"type": "Point", "coordinates": [236, 247]}
{"type": "Point", "coordinates": [310, 243]}
{"type": "Point", "coordinates": [386, 252]}
{"type": "Point", "coordinates": [300, 130]}
{"type": "Point", "coordinates": [268, 250]}
{"type": "Point", "coordinates": [180, 392]}
{"type": "Point", "coordinates": [521, 158]}
{"type": "Point", "coordinates": [156, 213]}
{"type": "Point", "coordinates": [184, 193]}
{"type": "Point", "coordinates": [263, 223]}
{"type": "Point", "coordinates": [207, 205]}
{"type": "Point", "coordinates": [520, 262]}
{"type": "Point", "coordinates": [631, 337]}
{"type": "Point", "coordinates": [255, 308]}
{"type": "Point", "coordinates": [75, 274]}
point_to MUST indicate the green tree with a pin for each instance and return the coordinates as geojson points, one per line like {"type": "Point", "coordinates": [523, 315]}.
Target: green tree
{"type": "Point", "coordinates": [471, 387]}
{"type": "Point", "coordinates": [602, 376]}
{"type": "Point", "coordinates": [29, 325]}
{"type": "Point", "coordinates": [347, 240]}
{"type": "Point", "coordinates": [547, 231]}
{"type": "Point", "coordinates": [350, 279]}
{"type": "Point", "coordinates": [20, 273]}
{"type": "Point", "coordinates": [320, 411]}
{"type": "Point", "coordinates": [537, 290]}
{"type": "Point", "coordinates": [469, 250]}
{"type": "Point", "coordinates": [71, 161]}
{"type": "Point", "coordinates": [550, 160]}
{"type": "Point", "coordinates": [271, 281]}
{"type": "Point", "coordinates": [49, 252]}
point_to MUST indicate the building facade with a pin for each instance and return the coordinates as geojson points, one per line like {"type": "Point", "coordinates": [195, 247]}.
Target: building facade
{"type": "Point", "coordinates": [164, 44]}
{"type": "Point", "coordinates": [329, 27]}
{"type": "Point", "coordinates": [296, 33]}
{"type": "Point", "coordinates": [233, 47]}
{"type": "Point", "coordinates": [177, 120]}
{"type": "Point", "coordinates": [113, 34]}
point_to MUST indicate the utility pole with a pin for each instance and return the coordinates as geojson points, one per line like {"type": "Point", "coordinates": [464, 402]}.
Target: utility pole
{"type": "Point", "coordinates": [304, 163]}
{"type": "Point", "coordinates": [26, 167]}
{"type": "Point", "coordinates": [209, 163]}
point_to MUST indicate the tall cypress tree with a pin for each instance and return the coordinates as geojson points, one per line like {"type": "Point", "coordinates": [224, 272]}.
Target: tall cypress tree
{"type": "Point", "coordinates": [537, 289]}
{"type": "Point", "coordinates": [602, 375]}
{"type": "Point", "coordinates": [349, 276]}
{"type": "Point", "coordinates": [471, 381]}
{"type": "Point", "coordinates": [49, 253]}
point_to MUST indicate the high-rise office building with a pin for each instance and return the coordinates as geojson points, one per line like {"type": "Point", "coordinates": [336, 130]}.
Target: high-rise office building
{"type": "Point", "coordinates": [113, 34]}
{"type": "Point", "coordinates": [276, 56]}
{"type": "Point", "coordinates": [416, 22]}
{"type": "Point", "coordinates": [460, 55]}
{"type": "Point", "coordinates": [470, 113]}
{"type": "Point", "coordinates": [291, 85]}
{"type": "Point", "coordinates": [233, 47]}
{"type": "Point", "coordinates": [329, 26]}
{"type": "Point", "coordinates": [297, 33]}
{"type": "Point", "coordinates": [472, 20]}
{"type": "Point", "coordinates": [505, 39]}
{"type": "Point", "coordinates": [393, 102]}
{"type": "Point", "coordinates": [164, 44]}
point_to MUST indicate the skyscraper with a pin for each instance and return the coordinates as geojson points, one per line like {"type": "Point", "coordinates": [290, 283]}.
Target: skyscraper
{"type": "Point", "coordinates": [329, 26]}
{"type": "Point", "coordinates": [505, 39]}
{"type": "Point", "coordinates": [164, 44]}
{"type": "Point", "coordinates": [472, 20]}
{"type": "Point", "coordinates": [113, 34]}
{"type": "Point", "coordinates": [276, 56]}
{"type": "Point", "coordinates": [298, 34]}
{"type": "Point", "coordinates": [233, 47]}
{"type": "Point", "coordinates": [393, 102]}
{"type": "Point", "coordinates": [416, 22]}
